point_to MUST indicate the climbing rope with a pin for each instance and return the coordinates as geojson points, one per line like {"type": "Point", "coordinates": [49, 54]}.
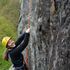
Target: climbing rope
{"type": "Point", "coordinates": [29, 14]}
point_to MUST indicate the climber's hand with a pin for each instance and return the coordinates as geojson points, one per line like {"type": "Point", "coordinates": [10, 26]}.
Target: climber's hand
{"type": "Point", "coordinates": [28, 30]}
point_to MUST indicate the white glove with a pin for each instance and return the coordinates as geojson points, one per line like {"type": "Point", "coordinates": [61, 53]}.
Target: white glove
{"type": "Point", "coordinates": [28, 30]}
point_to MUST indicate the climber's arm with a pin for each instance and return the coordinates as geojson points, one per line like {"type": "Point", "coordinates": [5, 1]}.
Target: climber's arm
{"type": "Point", "coordinates": [23, 44]}
{"type": "Point", "coordinates": [20, 39]}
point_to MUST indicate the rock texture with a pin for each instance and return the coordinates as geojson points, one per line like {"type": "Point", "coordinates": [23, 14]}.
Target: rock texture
{"type": "Point", "coordinates": [49, 46]}
{"type": "Point", "coordinates": [60, 27]}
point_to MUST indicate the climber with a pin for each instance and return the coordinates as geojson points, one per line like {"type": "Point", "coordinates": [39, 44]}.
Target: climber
{"type": "Point", "coordinates": [14, 49]}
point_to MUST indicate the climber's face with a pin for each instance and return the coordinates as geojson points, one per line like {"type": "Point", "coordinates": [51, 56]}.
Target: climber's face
{"type": "Point", "coordinates": [11, 43]}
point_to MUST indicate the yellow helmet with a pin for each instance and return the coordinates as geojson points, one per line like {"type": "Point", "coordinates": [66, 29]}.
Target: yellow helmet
{"type": "Point", "coordinates": [5, 41]}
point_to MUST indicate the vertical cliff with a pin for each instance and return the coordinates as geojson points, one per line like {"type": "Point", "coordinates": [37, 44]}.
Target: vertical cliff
{"type": "Point", "coordinates": [50, 33]}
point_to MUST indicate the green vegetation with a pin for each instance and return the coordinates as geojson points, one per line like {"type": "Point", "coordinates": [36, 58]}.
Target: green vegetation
{"type": "Point", "coordinates": [9, 14]}
{"type": "Point", "coordinates": [10, 9]}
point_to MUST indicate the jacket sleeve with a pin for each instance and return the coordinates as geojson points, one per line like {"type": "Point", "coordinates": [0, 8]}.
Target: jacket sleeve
{"type": "Point", "coordinates": [22, 45]}
{"type": "Point", "coordinates": [20, 39]}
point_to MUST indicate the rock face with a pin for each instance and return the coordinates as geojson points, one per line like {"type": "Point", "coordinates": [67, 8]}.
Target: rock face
{"type": "Point", "coordinates": [49, 46]}
{"type": "Point", "coordinates": [60, 34]}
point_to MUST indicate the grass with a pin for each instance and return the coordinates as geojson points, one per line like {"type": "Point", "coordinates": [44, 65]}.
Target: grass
{"type": "Point", "coordinates": [10, 10]}
{"type": "Point", "coordinates": [9, 14]}
{"type": "Point", "coordinates": [4, 65]}
{"type": "Point", "coordinates": [6, 29]}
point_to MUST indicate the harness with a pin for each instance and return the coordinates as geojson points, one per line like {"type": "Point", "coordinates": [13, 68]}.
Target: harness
{"type": "Point", "coordinates": [19, 68]}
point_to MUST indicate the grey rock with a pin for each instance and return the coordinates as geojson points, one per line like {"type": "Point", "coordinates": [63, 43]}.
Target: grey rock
{"type": "Point", "coordinates": [49, 46]}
